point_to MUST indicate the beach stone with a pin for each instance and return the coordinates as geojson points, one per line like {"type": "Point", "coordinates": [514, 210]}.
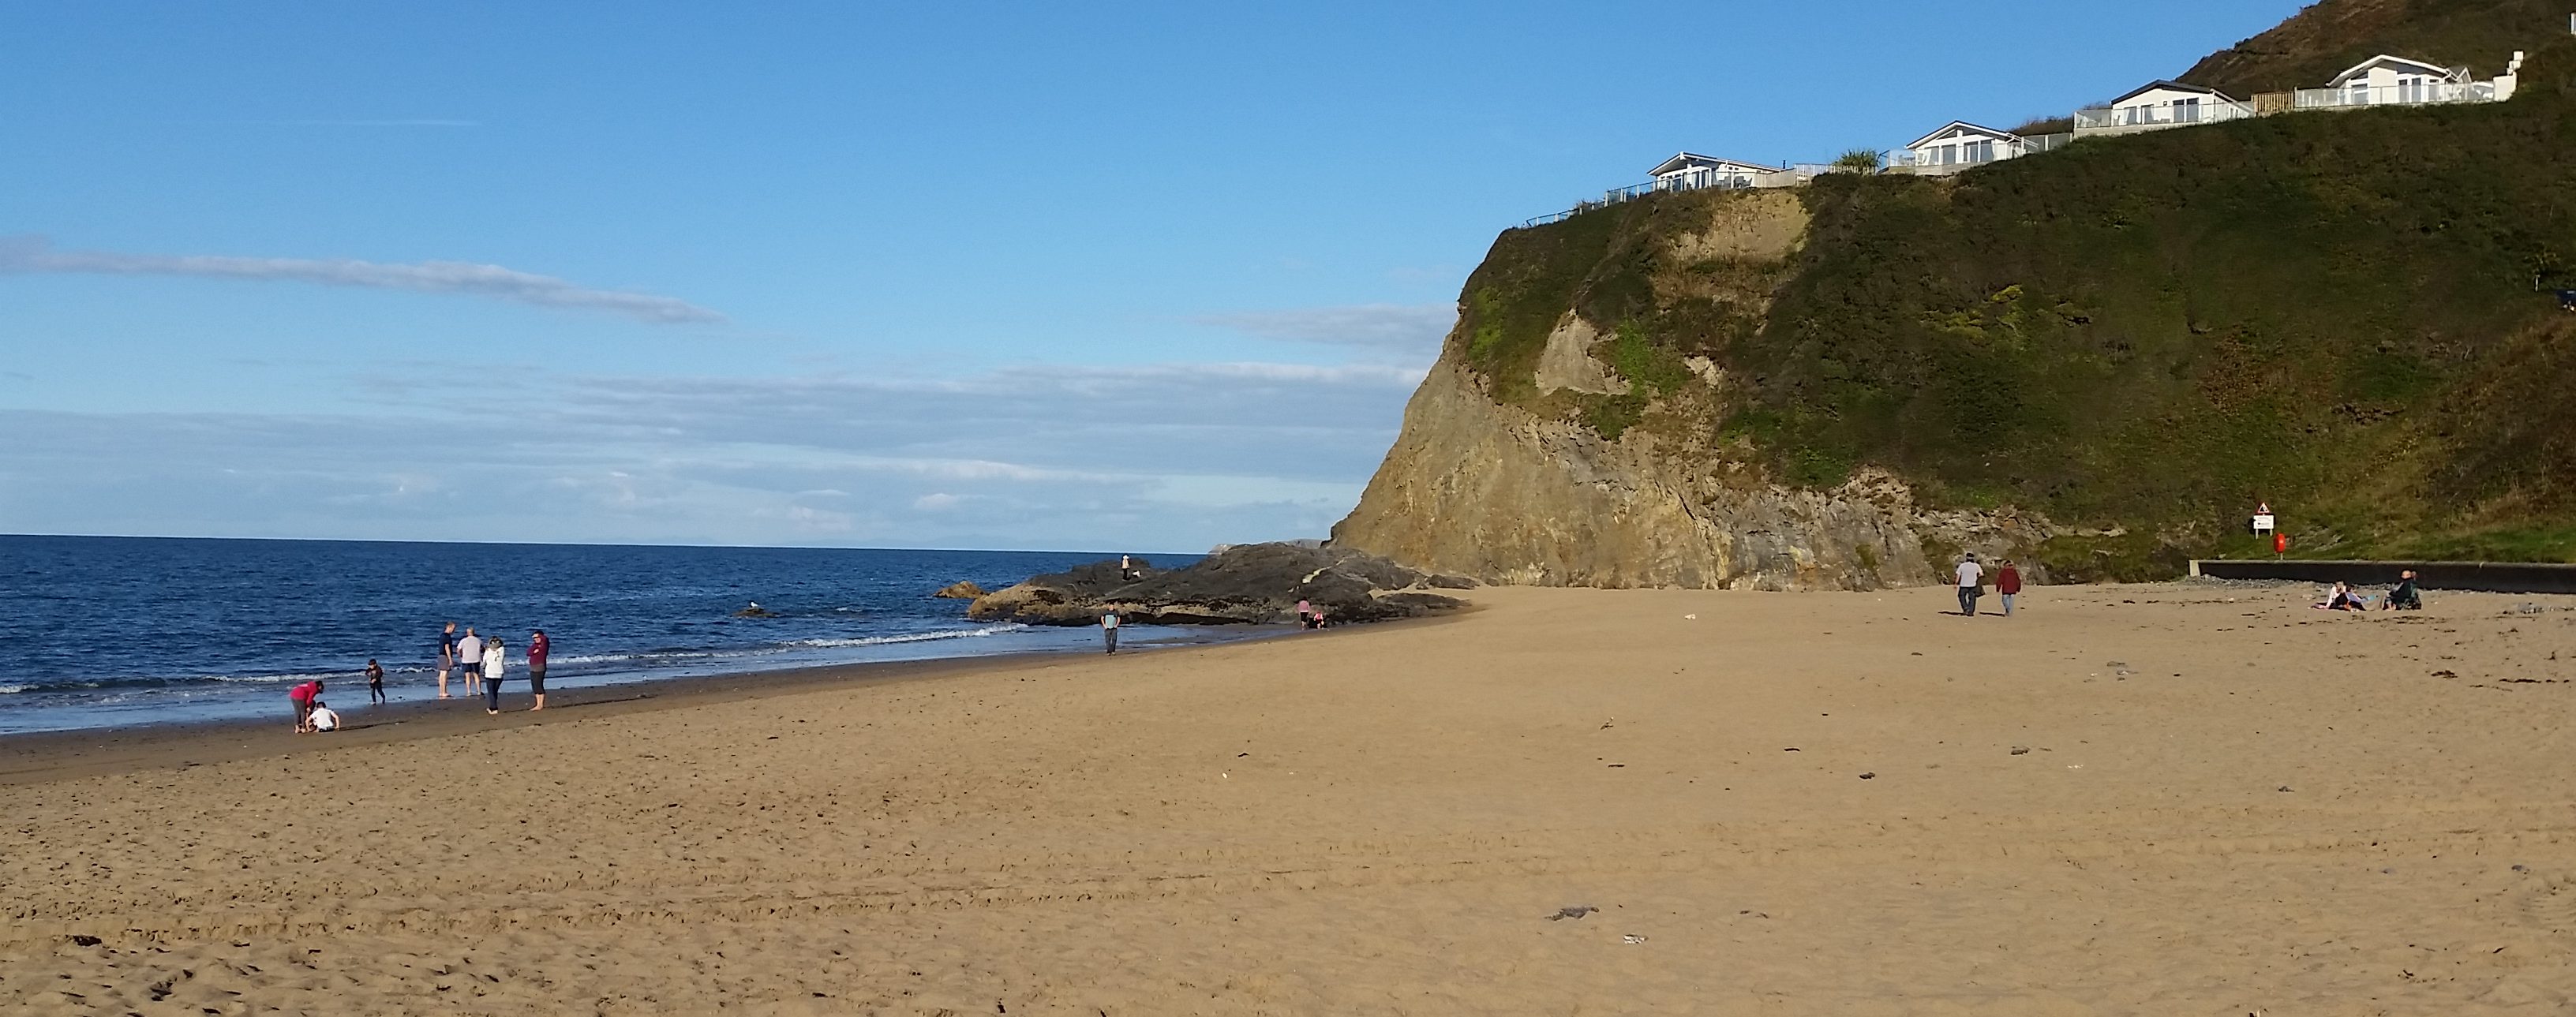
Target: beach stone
{"type": "Point", "coordinates": [960, 590]}
{"type": "Point", "coordinates": [1240, 584]}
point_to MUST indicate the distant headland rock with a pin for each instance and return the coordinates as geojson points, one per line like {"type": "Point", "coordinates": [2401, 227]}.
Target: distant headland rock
{"type": "Point", "coordinates": [960, 590]}
{"type": "Point", "coordinates": [1242, 584]}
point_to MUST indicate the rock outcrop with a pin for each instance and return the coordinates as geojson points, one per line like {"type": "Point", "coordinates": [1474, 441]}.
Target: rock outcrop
{"type": "Point", "coordinates": [1241, 584]}
{"type": "Point", "coordinates": [1494, 492]}
{"type": "Point", "coordinates": [1529, 487]}
{"type": "Point", "coordinates": [960, 590]}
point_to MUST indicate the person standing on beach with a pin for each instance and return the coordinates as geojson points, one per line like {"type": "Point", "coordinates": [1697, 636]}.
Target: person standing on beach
{"type": "Point", "coordinates": [538, 647]}
{"type": "Point", "coordinates": [2008, 584]}
{"type": "Point", "coordinates": [494, 658]}
{"type": "Point", "coordinates": [1305, 615]}
{"type": "Point", "coordinates": [446, 657]}
{"type": "Point", "coordinates": [1109, 630]}
{"type": "Point", "coordinates": [302, 697]}
{"type": "Point", "coordinates": [375, 682]}
{"type": "Point", "coordinates": [469, 655]}
{"type": "Point", "coordinates": [1971, 575]}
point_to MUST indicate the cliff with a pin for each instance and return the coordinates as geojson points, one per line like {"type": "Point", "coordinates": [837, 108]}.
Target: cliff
{"type": "Point", "coordinates": [2098, 359]}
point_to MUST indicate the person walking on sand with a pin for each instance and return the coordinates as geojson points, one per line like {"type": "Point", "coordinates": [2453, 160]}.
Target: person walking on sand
{"type": "Point", "coordinates": [375, 682]}
{"type": "Point", "coordinates": [494, 658]}
{"type": "Point", "coordinates": [446, 657]}
{"type": "Point", "coordinates": [302, 697]}
{"type": "Point", "coordinates": [469, 656]}
{"type": "Point", "coordinates": [2007, 584]}
{"type": "Point", "coordinates": [1971, 575]}
{"type": "Point", "coordinates": [538, 647]}
{"type": "Point", "coordinates": [1109, 631]}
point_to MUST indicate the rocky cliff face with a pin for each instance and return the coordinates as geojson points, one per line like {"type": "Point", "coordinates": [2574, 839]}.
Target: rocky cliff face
{"type": "Point", "coordinates": [1511, 494]}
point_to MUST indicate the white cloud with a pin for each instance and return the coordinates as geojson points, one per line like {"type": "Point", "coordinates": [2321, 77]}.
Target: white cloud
{"type": "Point", "coordinates": [1408, 328]}
{"type": "Point", "coordinates": [36, 255]}
{"type": "Point", "coordinates": [1158, 457]}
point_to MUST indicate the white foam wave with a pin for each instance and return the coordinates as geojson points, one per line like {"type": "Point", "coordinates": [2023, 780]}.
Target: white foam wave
{"type": "Point", "coordinates": [7, 689]}
{"type": "Point", "coordinates": [918, 637]}
{"type": "Point", "coordinates": [789, 646]}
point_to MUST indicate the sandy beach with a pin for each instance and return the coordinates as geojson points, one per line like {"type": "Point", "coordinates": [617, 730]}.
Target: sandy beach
{"type": "Point", "coordinates": [2124, 800]}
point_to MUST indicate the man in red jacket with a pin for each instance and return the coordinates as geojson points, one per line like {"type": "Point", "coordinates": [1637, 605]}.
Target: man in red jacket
{"type": "Point", "coordinates": [2008, 583]}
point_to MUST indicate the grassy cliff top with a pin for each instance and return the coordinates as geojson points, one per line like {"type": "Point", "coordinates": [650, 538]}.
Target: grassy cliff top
{"type": "Point", "coordinates": [2334, 312]}
{"type": "Point", "coordinates": [2319, 42]}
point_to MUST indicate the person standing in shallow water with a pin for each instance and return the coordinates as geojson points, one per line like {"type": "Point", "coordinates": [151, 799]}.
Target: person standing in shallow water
{"type": "Point", "coordinates": [446, 657]}
{"type": "Point", "coordinates": [1971, 576]}
{"type": "Point", "coordinates": [2008, 584]}
{"type": "Point", "coordinates": [469, 656]}
{"type": "Point", "coordinates": [1109, 631]}
{"type": "Point", "coordinates": [538, 647]}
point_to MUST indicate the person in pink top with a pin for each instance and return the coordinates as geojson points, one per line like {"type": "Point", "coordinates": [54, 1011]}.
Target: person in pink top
{"type": "Point", "coordinates": [302, 697]}
{"type": "Point", "coordinates": [538, 647]}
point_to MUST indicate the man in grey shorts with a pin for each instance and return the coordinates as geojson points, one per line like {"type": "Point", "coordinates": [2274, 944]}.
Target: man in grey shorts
{"type": "Point", "coordinates": [469, 656]}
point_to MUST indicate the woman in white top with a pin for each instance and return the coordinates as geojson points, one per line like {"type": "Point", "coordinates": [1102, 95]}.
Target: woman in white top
{"type": "Point", "coordinates": [493, 659]}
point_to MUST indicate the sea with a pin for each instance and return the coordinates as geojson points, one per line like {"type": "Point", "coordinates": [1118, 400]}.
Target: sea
{"type": "Point", "coordinates": [113, 632]}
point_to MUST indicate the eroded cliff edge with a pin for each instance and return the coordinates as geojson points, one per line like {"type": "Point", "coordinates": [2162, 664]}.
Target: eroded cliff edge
{"type": "Point", "coordinates": [2097, 361]}
{"type": "Point", "coordinates": [1543, 493]}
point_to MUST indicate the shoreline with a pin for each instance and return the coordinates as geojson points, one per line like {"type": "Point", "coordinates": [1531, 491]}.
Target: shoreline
{"type": "Point", "coordinates": [37, 757]}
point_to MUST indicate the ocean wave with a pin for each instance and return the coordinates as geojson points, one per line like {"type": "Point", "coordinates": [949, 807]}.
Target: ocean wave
{"type": "Point", "coordinates": [640, 658]}
{"type": "Point", "coordinates": [918, 637]}
{"type": "Point", "coordinates": [789, 646]}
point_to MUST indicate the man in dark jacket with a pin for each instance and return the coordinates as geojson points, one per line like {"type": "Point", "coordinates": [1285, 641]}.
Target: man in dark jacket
{"type": "Point", "coordinates": [2008, 583]}
{"type": "Point", "coordinates": [2405, 597]}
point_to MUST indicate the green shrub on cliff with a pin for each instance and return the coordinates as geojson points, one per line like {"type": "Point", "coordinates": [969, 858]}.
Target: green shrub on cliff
{"type": "Point", "coordinates": [2333, 312]}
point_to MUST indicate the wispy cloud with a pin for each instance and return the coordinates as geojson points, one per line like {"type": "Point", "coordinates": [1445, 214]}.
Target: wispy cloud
{"type": "Point", "coordinates": [1412, 328]}
{"type": "Point", "coordinates": [36, 254]}
{"type": "Point", "coordinates": [430, 122]}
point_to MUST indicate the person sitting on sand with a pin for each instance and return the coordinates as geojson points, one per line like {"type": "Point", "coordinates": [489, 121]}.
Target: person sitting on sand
{"type": "Point", "coordinates": [323, 718]}
{"type": "Point", "coordinates": [2343, 599]}
{"type": "Point", "coordinates": [2406, 597]}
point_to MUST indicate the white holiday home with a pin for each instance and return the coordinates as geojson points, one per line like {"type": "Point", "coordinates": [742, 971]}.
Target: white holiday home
{"type": "Point", "coordinates": [2396, 81]}
{"type": "Point", "coordinates": [2158, 105]}
{"type": "Point", "coordinates": [1689, 171]}
{"type": "Point", "coordinates": [1956, 147]}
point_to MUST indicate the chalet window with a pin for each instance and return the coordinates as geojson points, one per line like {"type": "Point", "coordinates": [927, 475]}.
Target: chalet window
{"type": "Point", "coordinates": [2187, 111]}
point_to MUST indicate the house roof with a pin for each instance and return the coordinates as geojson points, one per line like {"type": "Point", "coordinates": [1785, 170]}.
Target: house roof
{"type": "Point", "coordinates": [1686, 160]}
{"type": "Point", "coordinates": [2171, 86]}
{"type": "Point", "coordinates": [2404, 64]}
{"type": "Point", "coordinates": [1956, 125]}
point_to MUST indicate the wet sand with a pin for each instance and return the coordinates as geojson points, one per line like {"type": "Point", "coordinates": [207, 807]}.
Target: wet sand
{"type": "Point", "coordinates": [2124, 800]}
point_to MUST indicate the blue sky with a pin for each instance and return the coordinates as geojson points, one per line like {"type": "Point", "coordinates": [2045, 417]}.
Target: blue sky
{"type": "Point", "coordinates": [1092, 276]}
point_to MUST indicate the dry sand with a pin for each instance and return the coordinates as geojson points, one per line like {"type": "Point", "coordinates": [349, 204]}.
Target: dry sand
{"type": "Point", "coordinates": [1793, 803]}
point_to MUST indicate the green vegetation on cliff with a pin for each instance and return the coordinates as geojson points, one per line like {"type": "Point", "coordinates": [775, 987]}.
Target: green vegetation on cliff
{"type": "Point", "coordinates": [2335, 312]}
{"type": "Point", "coordinates": [2319, 42]}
